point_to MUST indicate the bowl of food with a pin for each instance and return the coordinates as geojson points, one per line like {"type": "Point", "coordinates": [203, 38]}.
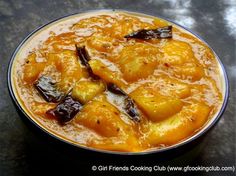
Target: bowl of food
{"type": "Point", "coordinates": [118, 82]}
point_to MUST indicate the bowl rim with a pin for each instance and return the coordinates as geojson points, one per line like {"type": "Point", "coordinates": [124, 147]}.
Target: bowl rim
{"type": "Point", "coordinates": [146, 152]}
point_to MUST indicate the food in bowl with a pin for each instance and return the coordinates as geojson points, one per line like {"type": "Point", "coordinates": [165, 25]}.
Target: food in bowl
{"type": "Point", "coordinates": [117, 81]}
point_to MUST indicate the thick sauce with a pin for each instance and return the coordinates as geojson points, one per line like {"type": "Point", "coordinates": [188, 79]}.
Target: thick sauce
{"type": "Point", "coordinates": [174, 82]}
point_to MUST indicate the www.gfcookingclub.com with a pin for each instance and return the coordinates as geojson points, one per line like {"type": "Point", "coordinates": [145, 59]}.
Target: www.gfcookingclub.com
{"type": "Point", "coordinates": [157, 168]}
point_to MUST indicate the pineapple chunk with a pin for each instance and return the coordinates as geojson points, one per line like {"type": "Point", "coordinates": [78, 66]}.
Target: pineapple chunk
{"type": "Point", "coordinates": [189, 71]}
{"type": "Point", "coordinates": [122, 27]}
{"type": "Point", "coordinates": [138, 61]}
{"type": "Point", "coordinates": [32, 69]}
{"type": "Point", "coordinates": [157, 107]}
{"type": "Point", "coordinates": [128, 143]}
{"type": "Point", "coordinates": [170, 87]}
{"type": "Point", "coordinates": [177, 53]}
{"type": "Point", "coordinates": [67, 63]}
{"type": "Point", "coordinates": [180, 57]}
{"type": "Point", "coordinates": [102, 117]}
{"type": "Point", "coordinates": [109, 76]}
{"type": "Point", "coordinates": [84, 91]}
{"type": "Point", "coordinates": [179, 126]}
{"type": "Point", "coordinates": [101, 43]}
{"type": "Point", "coordinates": [137, 68]}
{"type": "Point", "coordinates": [127, 24]}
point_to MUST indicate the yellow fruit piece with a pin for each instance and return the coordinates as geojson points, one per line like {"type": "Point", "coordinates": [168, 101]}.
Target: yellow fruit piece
{"type": "Point", "coordinates": [137, 68]}
{"type": "Point", "coordinates": [160, 23]}
{"type": "Point", "coordinates": [189, 71]}
{"type": "Point", "coordinates": [32, 69]}
{"type": "Point", "coordinates": [123, 26]}
{"type": "Point", "coordinates": [108, 75]}
{"type": "Point", "coordinates": [180, 57]}
{"type": "Point", "coordinates": [138, 61]}
{"type": "Point", "coordinates": [157, 107]}
{"type": "Point", "coordinates": [101, 43]}
{"type": "Point", "coordinates": [179, 126]}
{"type": "Point", "coordinates": [170, 87]}
{"type": "Point", "coordinates": [129, 143]}
{"type": "Point", "coordinates": [127, 24]}
{"type": "Point", "coordinates": [85, 91]}
{"type": "Point", "coordinates": [177, 53]}
{"type": "Point", "coordinates": [67, 64]}
{"type": "Point", "coordinates": [102, 117]}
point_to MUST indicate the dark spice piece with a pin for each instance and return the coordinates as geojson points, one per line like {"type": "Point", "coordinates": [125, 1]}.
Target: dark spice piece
{"type": "Point", "coordinates": [131, 109]}
{"type": "Point", "coordinates": [65, 110]}
{"type": "Point", "coordinates": [115, 89]}
{"type": "Point", "coordinates": [83, 55]}
{"type": "Point", "coordinates": [167, 65]}
{"type": "Point", "coordinates": [47, 88]}
{"type": "Point", "coordinates": [129, 104]}
{"type": "Point", "coordinates": [159, 33]}
{"type": "Point", "coordinates": [84, 58]}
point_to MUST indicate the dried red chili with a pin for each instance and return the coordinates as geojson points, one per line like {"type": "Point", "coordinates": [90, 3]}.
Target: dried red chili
{"type": "Point", "coordinates": [65, 110]}
{"type": "Point", "coordinates": [48, 89]}
{"type": "Point", "coordinates": [159, 33]}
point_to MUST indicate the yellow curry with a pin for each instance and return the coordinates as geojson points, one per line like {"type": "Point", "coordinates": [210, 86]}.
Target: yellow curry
{"type": "Point", "coordinates": [118, 81]}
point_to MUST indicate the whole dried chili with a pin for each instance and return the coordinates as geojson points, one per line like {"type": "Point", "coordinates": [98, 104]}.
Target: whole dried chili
{"type": "Point", "coordinates": [146, 34]}
{"type": "Point", "coordinates": [115, 89]}
{"type": "Point", "coordinates": [65, 110]}
{"type": "Point", "coordinates": [48, 89]}
{"type": "Point", "coordinates": [84, 58]}
{"type": "Point", "coordinates": [131, 109]}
